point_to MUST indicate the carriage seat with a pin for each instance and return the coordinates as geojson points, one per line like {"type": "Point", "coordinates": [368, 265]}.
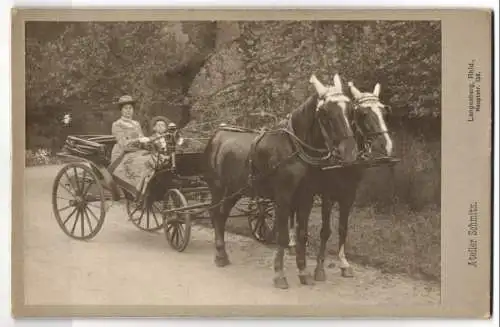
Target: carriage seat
{"type": "Point", "coordinates": [96, 148]}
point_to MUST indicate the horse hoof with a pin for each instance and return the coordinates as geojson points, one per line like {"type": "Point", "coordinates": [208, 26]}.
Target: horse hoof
{"type": "Point", "coordinates": [347, 272]}
{"type": "Point", "coordinates": [306, 279]}
{"type": "Point", "coordinates": [280, 282]}
{"type": "Point", "coordinates": [291, 250]}
{"type": "Point", "coordinates": [222, 261]}
{"type": "Point", "coordinates": [319, 275]}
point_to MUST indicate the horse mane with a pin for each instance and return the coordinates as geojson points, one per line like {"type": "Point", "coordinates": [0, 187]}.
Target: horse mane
{"type": "Point", "coordinates": [304, 122]}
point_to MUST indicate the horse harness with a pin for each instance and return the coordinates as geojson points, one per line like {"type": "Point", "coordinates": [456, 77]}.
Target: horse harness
{"type": "Point", "coordinates": [369, 137]}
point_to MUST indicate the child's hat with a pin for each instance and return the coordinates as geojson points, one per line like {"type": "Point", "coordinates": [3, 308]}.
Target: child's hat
{"type": "Point", "coordinates": [159, 118]}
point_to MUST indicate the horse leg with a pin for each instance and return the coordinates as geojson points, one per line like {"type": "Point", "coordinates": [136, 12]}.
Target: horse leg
{"type": "Point", "coordinates": [303, 212]}
{"type": "Point", "coordinates": [326, 231]}
{"type": "Point", "coordinates": [221, 257]}
{"type": "Point", "coordinates": [282, 238]}
{"type": "Point", "coordinates": [344, 211]}
{"type": "Point", "coordinates": [291, 231]}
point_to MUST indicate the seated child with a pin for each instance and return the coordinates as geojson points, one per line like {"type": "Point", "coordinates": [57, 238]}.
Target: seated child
{"type": "Point", "coordinates": [166, 144]}
{"type": "Point", "coordinates": [160, 140]}
{"type": "Point", "coordinates": [164, 141]}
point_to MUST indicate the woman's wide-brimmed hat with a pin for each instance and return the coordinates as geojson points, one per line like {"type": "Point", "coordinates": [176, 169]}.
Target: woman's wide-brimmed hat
{"type": "Point", "coordinates": [159, 118]}
{"type": "Point", "coordinates": [125, 99]}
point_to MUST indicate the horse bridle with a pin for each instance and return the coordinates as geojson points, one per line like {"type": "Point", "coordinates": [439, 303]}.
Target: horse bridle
{"type": "Point", "coordinates": [335, 150]}
{"type": "Point", "coordinates": [331, 151]}
{"type": "Point", "coordinates": [369, 137]}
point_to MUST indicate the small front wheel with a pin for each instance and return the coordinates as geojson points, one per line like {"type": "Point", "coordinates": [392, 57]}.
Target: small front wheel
{"type": "Point", "coordinates": [145, 215]}
{"type": "Point", "coordinates": [177, 225]}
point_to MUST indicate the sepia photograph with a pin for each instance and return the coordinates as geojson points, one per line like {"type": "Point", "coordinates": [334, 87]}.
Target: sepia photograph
{"type": "Point", "coordinates": [237, 162]}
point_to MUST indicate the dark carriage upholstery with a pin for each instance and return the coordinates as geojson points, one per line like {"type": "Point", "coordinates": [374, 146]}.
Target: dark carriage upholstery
{"type": "Point", "coordinates": [96, 148]}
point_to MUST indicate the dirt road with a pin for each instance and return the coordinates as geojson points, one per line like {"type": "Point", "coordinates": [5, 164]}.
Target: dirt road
{"type": "Point", "coordinates": [126, 266]}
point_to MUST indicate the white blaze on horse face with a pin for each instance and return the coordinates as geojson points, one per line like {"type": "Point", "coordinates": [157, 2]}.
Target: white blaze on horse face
{"type": "Point", "coordinates": [340, 99]}
{"type": "Point", "coordinates": [343, 261]}
{"type": "Point", "coordinates": [343, 106]}
{"type": "Point", "coordinates": [383, 127]}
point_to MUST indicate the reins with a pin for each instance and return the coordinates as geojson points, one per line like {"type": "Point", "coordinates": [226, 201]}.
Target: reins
{"type": "Point", "coordinates": [252, 180]}
{"type": "Point", "coordinates": [299, 145]}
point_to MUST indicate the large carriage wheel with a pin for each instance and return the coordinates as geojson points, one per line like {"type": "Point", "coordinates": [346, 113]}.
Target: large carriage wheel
{"type": "Point", "coordinates": [145, 215]}
{"type": "Point", "coordinates": [261, 221]}
{"type": "Point", "coordinates": [177, 225]}
{"type": "Point", "coordinates": [78, 201]}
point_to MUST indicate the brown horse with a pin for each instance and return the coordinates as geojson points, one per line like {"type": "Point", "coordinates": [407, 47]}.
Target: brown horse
{"type": "Point", "coordinates": [277, 165]}
{"type": "Point", "coordinates": [366, 116]}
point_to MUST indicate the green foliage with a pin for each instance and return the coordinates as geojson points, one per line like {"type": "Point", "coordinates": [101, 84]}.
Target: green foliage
{"type": "Point", "coordinates": [84, 67]}
{"type": "Point", "coordinates": [277, 59]}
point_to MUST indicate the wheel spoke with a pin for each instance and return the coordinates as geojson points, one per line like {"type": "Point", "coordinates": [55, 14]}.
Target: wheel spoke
{"type": "Point", "coordinates": [87, 218]}
{"type": "Point", "coordinates": [66, 207]}
{"type": "Point", "coordinates": [176, 235]}
{"type": "Point", "coordinates": [76, 180]}
{"type": "Point", "coordinates": [87, 188]}
{"type": "Point", "coordinates": [181, 232]}
{"type": "Point", "coordinates": [67, 190]}
{"type": "Point", "coordinates": [83, 181]}
{"type": "Point", "coordinates": [93, 215]}
{"type": "Point", "coordinates": [70, 182]}
{"type": "Point", "coordinates": [70, 215]}
{"type": "Point", "coordinates": [136, 207]}
{"type": "Point", "coordinates": [169, 230]}
{"type": "Point", "coordinates": [154, 216]}
{"type": "Point", "coordinates": [139, 219]}
{"type": "Point", "coordinates": [82, 224]}
{"type": "Point", "coordinates": [61, 198]}
{"type": "Point", "coordinates": [76, 220]}
{"type": "Point", "coordinates": [173, 233]}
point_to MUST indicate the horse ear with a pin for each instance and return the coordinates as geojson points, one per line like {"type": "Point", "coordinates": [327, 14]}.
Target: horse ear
{"type": "Point", "coordinates": [320, 88]}
{"type": "Point", "coordinates": [337, 82]}
{"type": "Point", "coordinates": [376, 89]}
{"type": "Point", "coordinates": [354, 90]}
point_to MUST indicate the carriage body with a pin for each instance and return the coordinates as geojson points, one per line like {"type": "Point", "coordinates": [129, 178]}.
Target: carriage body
{"type": "Point", "coordinates": [173, 198]}
{"type": "Point", "coordinates": [169, 198]}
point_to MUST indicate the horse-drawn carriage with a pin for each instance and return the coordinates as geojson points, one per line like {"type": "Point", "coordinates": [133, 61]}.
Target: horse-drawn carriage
{"type": "Point", "coordinates": [277, 165]}
{"type": "Point", "coordinates": [84, 187]}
